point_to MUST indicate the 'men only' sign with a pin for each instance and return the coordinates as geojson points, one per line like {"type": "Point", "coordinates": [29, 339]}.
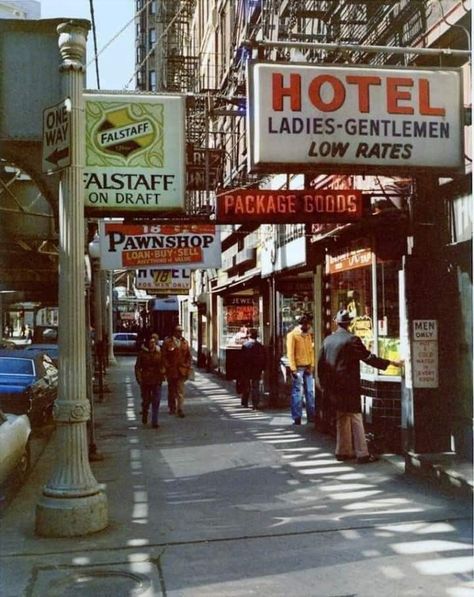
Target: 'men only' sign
{"type": "Point", "coordinates": [135, 154]}
{"type": "Point", "coordinates": [288, 206]}
{"type": "Point", "coordinates": [167, 246]}
{"type": "Point", "coordinates": [364, 119]}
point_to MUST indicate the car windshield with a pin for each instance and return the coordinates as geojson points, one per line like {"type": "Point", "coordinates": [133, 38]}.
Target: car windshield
{"type": "Point", "coordinates": [15, 366]}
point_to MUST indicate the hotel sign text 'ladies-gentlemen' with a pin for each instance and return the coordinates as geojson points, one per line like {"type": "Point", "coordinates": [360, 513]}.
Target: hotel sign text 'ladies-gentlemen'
{"type": "Point", "coordinates": [285, 207]}
{"type": "Point", "coordinates": [361, 119]}
{"type": "Point", "coordinates": [135, 154]}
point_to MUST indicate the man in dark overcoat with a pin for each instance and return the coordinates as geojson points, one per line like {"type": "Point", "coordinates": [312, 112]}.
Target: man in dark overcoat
{"type": "Point", "coordinates": [339, 378]}
{"type": "Point", "coordinates": [253, 363]}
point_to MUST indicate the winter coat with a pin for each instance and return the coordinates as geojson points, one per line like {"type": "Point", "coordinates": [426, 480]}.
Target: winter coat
{"type": "Point", "coordinates": [253, 359]}
{"type": "Point", "coordinates": [149, 367]}
{"type": "Point", "coordinates": [177, 357]}
{"type": "Point", "coordinates": [339, 369]}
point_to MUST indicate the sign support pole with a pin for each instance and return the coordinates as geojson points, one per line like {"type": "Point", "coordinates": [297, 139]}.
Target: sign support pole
{"type": "Point", "coordinates": [425, 413]}
{"type": "Point", "coordinates": [73, 503]}
{"type": "Point", "coordinates": [110, 318]}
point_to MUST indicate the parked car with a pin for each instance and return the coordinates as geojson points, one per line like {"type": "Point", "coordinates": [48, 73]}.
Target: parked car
{"type": "Point", "coordinates": [52, 350]}
{"type": "Point", "coordinates": [45, 334]}
{"type": "Point", "coordinates": [125, 342]}
{"type": "Point", "coordinates": [14, 446]}
{"type": "Point", "coordinates": [28, 384]}
{"type": "Point", "coordinates": [8, 344]}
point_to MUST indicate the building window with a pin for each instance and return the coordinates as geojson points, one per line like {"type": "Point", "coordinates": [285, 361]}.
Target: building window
{"type": "Point", "coordinates": [152, 80]}
{"type": "Point", "coordinates": [152, 37]}
{"type": "Point", "coordinates": [388, 317]}
{"type": "Point", "coordinates": [153, 7]}
{"type": "Point", "coordinates": [238, 311]}
{"type": "Point", "coordinates": [139, 4]}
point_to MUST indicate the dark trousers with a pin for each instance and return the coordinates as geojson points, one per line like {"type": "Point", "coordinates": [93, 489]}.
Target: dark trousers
{"type": "Point", "coordinates": [151, 395]}
{"type": "Point", "coordinates": [252, 391]}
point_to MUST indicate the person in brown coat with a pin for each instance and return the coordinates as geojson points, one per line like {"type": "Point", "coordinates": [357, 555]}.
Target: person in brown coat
{"type": "Point", "coordinates": [150, 373]}
{"type": "Point", "coordinates": [339, 377]}
{"type": "Point", "coordinates": [178, 361]}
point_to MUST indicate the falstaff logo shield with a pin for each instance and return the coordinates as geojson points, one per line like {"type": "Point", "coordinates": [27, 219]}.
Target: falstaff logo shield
{"type": "Point", "coordinates": [127, 130]}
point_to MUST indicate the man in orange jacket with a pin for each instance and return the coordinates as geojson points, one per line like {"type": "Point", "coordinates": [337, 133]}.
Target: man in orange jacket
{"type": "Point", "coordinates": [300, 352]}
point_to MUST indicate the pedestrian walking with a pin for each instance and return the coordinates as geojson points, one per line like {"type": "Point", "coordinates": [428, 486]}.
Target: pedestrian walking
{"type": "Point", "coordinates": [300, 353]}
{"type": "Point", "coordinates": [339, 377]}
{"type": "Point", "coordinates": [178, 364]}
{"type": "Point", "coordinates": [150, 373]}
{"type": "Point", "coordinates": [253, 363]}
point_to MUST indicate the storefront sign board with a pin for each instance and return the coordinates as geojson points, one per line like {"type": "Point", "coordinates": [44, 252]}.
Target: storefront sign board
{"type": "Point", "coordinates": [425, 353]}
{"type": "Point", "coordinates": [135, 154]}
{"type": "Point", "coordinates": [203, 168]}
{"type": "Point", "coordinates": [163, 281]}
{"type": "Point", "coordinates": [288, 206]}
{"type": "Point", "coordinates": [239, 301]}
{"type": "Point", "coordinates": [366, 119]}
{"type": "Point", "coordinates": [348, 261]}
{"type": "Point", "coordinates": [162, 246]}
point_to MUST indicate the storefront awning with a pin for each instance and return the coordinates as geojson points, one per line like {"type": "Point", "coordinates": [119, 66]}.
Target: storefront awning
{"type": "Point", "coordinates": [238, 283]}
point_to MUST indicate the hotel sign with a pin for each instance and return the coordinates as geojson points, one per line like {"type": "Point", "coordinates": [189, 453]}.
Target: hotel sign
{"type": "Point", "coordinates": [135, 154]}
{"type": "Point", "coordinates": [164, 281]}
{"type": "Point", "coordinates": [361, 119]}
{"type": "Point", "coordinates": [285, 207]}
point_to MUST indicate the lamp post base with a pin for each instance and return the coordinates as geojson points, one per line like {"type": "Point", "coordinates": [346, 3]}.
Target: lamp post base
{"type": "Point", "coordinates": [71, 517]}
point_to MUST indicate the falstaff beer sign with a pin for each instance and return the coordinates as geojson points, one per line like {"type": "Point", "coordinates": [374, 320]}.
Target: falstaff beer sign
{"type": "Point", "coordinates": [367, 119]}
{"type": "Point", "coordinates": [135, 153]}
{"type": "Point", "coordinates": [131, 246]}
{"type": "Point", "coordinates": [284, 207]}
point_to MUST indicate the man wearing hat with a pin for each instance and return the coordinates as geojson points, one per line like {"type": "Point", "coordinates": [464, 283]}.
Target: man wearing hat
{"type": "Point", "coordinates": [300, 353]}
{"type": "Point", "coordinates": [339, 378]}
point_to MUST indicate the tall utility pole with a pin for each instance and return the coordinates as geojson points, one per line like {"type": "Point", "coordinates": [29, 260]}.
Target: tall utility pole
{"type": "Point", "coordinates": [72, 503]}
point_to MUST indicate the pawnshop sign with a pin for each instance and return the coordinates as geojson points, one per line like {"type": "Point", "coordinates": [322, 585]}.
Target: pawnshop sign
{"type": "Point", "coordinates": [288, 206]}
{"type": "Point", "coordinates": [135, 154]}
{"type": "Point", "coordinates": [131, 246]}
{"type": "Point", "coordinates": [362, 119]}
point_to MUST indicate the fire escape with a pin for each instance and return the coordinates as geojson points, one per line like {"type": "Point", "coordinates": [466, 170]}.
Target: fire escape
{"type": "Point", "coordinates": [361, 22]}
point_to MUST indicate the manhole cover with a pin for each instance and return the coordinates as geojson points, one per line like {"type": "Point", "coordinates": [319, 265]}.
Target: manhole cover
{"type": "Point", "coordinates": [106, 582]}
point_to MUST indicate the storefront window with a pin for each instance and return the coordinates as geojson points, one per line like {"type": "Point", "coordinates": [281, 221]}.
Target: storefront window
{"type": "Point", "coordinates": [352, 289]}
{"type": "Point", "coordinates": [238, 312]}
{"type": "Point", "coordinates": [295, 300]}
{"type": "Point", "coordinates": [388, 319]}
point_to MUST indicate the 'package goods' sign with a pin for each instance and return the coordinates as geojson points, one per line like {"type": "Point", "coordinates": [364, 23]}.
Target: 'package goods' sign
{"type": "Point", "coordinates": [365, 118]}
{"type": "Point", "coordinates": [133, 246]}
{"type": "Point", "coordinates": [135, 153]}
{"type": "Point", "coordinates": [284, 206]}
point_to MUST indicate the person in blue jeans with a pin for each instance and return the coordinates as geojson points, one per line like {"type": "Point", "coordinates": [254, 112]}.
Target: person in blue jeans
{"type": "Point", "coordinates": [150, 373]}
{"type": "Point", "coordinates": [300, 352]}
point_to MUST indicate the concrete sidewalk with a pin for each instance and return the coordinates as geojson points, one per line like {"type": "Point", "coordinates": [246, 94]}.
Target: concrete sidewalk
{"type": "Point", "coordinates": [235, 502]}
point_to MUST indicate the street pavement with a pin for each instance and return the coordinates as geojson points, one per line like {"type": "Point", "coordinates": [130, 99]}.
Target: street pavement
{"type": "Point", "coordinates": [230, 502]}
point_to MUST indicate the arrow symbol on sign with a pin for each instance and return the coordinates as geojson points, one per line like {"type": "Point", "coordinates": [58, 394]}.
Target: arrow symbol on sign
{"type": "Point", "coordinates": [58, 155]}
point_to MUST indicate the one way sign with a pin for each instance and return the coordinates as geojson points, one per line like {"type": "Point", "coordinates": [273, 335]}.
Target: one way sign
{"type": "Point", "coordinates": [57, 137]}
